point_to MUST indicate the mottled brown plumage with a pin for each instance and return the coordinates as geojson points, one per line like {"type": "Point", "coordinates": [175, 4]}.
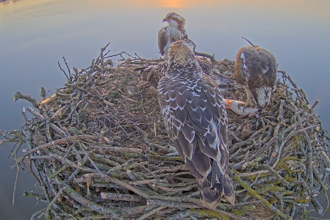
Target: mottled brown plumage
{"type": "Point", "coordinates": [154, 73]}
{"type": "Point", "coordinates": [255, 68]}
{"type": "Point", "coordinates": [174, 31]}
{"type": "Point", "coordinates": [196, 120]}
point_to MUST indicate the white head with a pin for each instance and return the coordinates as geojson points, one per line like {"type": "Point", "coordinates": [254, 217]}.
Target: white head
{"type": "Point", "coordinates": [174, 19]}
{"type": "Point", "coordinates": [263, 95]}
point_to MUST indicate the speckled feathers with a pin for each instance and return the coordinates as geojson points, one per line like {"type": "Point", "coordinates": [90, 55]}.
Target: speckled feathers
{"type": "Point", "coordinates": [196, 120]}
{"type": "Point", "coordinates": [256, 69]}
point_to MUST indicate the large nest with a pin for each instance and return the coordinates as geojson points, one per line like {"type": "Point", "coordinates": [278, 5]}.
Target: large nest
{"type": "Point", "coordinates": [97, 149]}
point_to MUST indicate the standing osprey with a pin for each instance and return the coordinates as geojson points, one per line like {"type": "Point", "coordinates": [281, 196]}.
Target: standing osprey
{"type": "Point", "coordinates": [196, 121]}
{"type": "Point", "coordinates": [255, 68]}
{"type": "Point", "coordinates": [174, 31]}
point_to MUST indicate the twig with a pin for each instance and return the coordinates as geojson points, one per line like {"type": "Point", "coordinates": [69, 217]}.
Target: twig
{"type": "Point", "coordinates": [249, 42]}
{"type": "Point", "coordinates": [146, 215]}
{"type": "Point", "coordinates": [211, 57]}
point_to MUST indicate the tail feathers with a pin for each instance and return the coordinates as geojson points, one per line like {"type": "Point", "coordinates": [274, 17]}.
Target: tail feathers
{"type": "Point", "coordinates": [211, 196]}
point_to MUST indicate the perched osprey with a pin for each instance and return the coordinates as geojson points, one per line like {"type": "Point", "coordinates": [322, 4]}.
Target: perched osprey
{"type": "Point", "coordinates": [174, 31]}
{"type": "Point", "coordinates": [255, 68]}
{"type": "Point", "coordinates": [196, 120]}
{"type": "Point", "coordinates": [153, 73]}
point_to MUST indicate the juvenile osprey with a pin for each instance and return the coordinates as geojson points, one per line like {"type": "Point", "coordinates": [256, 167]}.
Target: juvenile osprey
{"type": "Point", "coordinates": [153, 74]}
{"type": "Point", "coordinates": [174, 31]}
{"type": "Point", "coordinates": [196, 121]}
{"type": "Point", "coordinates": [255, 68]}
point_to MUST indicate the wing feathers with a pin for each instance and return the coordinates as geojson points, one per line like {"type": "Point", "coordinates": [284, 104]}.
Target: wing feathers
{"type": "Point", "coordinates": [196, 122]}
{"type": "Point", "coordinates": [162, 40]}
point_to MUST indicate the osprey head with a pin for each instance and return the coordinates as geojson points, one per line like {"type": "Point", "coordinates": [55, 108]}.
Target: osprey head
{"type": "Point", "coordinates": [182, 52]}
{"type": "Point", "coordinates": [174, 19]}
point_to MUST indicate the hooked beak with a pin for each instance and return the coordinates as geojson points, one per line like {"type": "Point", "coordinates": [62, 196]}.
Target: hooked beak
{"type": "Point", "coordinates": [165, 19]}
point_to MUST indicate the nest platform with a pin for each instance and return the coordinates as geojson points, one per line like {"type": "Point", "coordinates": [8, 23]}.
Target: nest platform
{"type": "Point", "coordinates": [97, 149]}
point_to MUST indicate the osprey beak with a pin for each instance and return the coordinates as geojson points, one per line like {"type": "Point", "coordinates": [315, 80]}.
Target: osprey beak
{"type": "Point", "coordinates": [227, 103]}
{"type": "Point", "coordinates": [165, 19]}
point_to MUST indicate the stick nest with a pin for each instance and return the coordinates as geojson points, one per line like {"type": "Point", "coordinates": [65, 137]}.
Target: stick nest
{"type": "Point", "coordinates": [97, 149]}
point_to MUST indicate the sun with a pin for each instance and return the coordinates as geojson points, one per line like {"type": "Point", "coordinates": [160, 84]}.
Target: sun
{"type": "Point", "coordinates": [177, 4]}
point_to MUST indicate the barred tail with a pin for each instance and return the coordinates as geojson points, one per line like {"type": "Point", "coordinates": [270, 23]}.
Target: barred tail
{"type": "Point", "coordinates": [211, 196]}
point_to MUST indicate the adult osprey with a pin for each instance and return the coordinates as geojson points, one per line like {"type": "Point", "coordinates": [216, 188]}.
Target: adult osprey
{"type": "Point", "coordinates": [174, 31]}
{"type": "Point", "coordinates": [196, 120]}
{"type": "Point", "coordinates": [255, 68]}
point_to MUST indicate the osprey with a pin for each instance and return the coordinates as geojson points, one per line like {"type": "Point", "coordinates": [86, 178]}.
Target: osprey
{"type": "Point", "coordinates": [174, 31]}
{"type": "Point", "coordinates": [196, 120]}
{"type": "Point", "coordinates": [255, 68]}
{"type": "Point", "coordinates": [153, 74]}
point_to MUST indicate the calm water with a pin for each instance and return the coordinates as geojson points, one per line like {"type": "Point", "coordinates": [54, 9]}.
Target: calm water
{"type": "Point", "coordinates": [35, 34]}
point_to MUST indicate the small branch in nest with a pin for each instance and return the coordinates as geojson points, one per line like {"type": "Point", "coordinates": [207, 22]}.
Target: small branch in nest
{"type": "Point", "coordinates": [52, 202]}
{"type": "Point", "coordinates": [32, 194]}
{"type": "Point", "coordinates": [28, 98]}
{"type": "Point", "coordinates": [211, 57]}
{"type": "Point", "coordinates": [315, 104]}
{"type": "Point", "coordinates": [116, 149]}
{"type": "Point", "coordinates": [66, 75]}
{"type": "Point", "coordinates": [38, 215]}
{"type": "Point", "coordinates": [257, 196]}
{"type": "Point", "coordinates": [87, 203]}
{"type": "Point", "coordinates": [119, 197]}
{"type": "Point", "coordinates": [56, 142]}
{"type": "Point", "coordinates": [146, 215]}
{"type": "Point", "coordinates": [249, 42]}
{"type": "Point", "coordinates": [145, 138]}
{"type": "Point", "coordinates": [15, 185]}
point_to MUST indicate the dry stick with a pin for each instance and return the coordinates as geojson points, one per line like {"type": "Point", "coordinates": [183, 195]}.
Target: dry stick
{"type": "Point", "coordinates": [117, 149]}
{"type": "Point", "coordinates": [211, 57]}
{"type": "Point", "coordinates": [52, 202]}
{"type": "Point", "coordinates": [253, 173]}
{"type": "Point", "coordinates": [323, 187]}
{"type": "Point", "coordinates": [90, 160]}
{"type": "Point", "coordinates": [146, 215]}
{"type": "Point", "coordinates": [126, 166]}
{"type": "Point", "coordinates": [113, 213]}
{"type": "Point", "coordinates": [119, 197]}
{"type": "Point", "coordinates": [315, 104]}
{"type": "Point", "coordinates": [257, 196]}
{"type": "Point", "coordinates": [59, 65]}
{"type": "Point", "coordinates": [56, 142]}
{"type": "Point", "coordinates": [173, 199]}
{"type": "Point", "coordinates": [41, 117]}
{"type": "Point", "coordinates": [37, 215]}
{"type": "Point", "coordinates": [28, 98]}
{"type": "Point", "coordinates": [271, 141]}
{"type": "Point", "coordinates": [72, 164]}
{"type": "Point", "coordinates": [249, 42]}
{"type": "Point", "coordinates": [171, 204]}
{"type": "Point", "coordinates": [15, 185]}
{"type": "Point", "coordinates": [145, 138]}
{"type": "Point", "coordinates": [24, 116]}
